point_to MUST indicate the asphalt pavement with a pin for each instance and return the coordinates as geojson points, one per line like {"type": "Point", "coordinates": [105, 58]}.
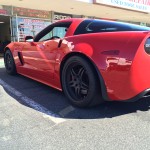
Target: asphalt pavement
{"type": "Point", "coordinates": [37, 117]}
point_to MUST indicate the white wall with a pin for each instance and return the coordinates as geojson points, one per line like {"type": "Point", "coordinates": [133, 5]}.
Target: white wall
{"type": "Point", "coordinates": [87, 1]}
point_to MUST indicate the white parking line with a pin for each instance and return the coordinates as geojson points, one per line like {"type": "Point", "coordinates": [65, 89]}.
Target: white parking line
{"type": "Point", "coordinates": [45, 112]}
{"type": "Point", "coordinates": [1, 63]}
{"type": "Point", "coordinates": [66, 111]}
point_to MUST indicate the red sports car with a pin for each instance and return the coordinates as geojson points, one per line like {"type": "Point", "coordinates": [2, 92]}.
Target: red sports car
{"type": "Point", "coordinates": [90, 60]}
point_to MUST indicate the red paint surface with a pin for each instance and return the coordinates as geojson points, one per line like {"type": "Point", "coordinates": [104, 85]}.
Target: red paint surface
{"type": "Point", "coordinates": [119, 56]}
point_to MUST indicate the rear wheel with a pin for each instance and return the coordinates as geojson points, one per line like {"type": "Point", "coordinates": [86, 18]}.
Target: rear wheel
{"type": "Point", "coordinates": [9, 63]}
{"type": "Point", "coordinates": [80, 83]}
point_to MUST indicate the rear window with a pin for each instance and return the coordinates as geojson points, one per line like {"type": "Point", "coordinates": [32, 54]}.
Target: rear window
{"type": "Point", "coordinates": [95, 26]}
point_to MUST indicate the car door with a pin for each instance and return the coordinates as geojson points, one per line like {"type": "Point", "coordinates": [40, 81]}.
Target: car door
{"type": "Point", "coordinates": [39, 56]}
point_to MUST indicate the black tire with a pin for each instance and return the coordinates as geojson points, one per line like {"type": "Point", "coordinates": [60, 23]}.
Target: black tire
{"type": "Point", "coordinates": [80, 83]}
{"type": "Point", "coordinates": [9, 63]}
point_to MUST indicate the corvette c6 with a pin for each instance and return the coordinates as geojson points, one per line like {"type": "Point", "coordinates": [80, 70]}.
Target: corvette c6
{"type": "Point", "coordinates": [91, 61]}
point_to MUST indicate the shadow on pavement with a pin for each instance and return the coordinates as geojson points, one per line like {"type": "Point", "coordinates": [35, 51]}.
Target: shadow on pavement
{"type": "Point", "coordinates": [1, 55]}
{"type": "Point", "coordinates": [55, 101]}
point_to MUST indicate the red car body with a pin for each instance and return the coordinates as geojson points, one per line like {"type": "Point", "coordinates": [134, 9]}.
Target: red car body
{"type": "Point", "coordinates": [118, 55]}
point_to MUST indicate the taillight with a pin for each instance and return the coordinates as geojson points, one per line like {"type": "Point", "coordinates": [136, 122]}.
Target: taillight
{"type": "Point", "coordinates": [147, 46]}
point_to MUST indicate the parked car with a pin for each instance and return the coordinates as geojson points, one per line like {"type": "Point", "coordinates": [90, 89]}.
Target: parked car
{"type": "Point", "coordinates": [92, 61]}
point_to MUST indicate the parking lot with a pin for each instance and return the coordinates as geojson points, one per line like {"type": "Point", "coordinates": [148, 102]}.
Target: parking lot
{"type": "Point", "coordinates": [35, 116]}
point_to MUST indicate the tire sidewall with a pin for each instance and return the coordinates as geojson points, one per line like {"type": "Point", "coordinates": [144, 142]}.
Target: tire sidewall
{"type": "Point", "coordinates": [12, 71]}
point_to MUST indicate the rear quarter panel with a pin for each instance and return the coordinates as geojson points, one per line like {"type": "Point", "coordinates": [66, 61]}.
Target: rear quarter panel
{"type": "Point", "coordinates": [112, 53]}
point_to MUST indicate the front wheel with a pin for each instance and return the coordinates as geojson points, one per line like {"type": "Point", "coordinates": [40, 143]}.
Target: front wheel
{"type": "Point", "coordinates": [80, 83]}
{"type": "Point", "coordinates": [9, 63]}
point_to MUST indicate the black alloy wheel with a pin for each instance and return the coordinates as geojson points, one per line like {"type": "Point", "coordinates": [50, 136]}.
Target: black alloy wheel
{"type": "Point", "coordinates": [80, 83]}
{"type": "Point", "coordinates": [9, 63]}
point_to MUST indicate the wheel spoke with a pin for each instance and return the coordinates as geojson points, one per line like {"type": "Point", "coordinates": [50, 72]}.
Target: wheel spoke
{"type": "Point", "coordinates": [78, 81]}
{"type": "Point", "coordinates": [84, 86]}
{"type": "Point", "coordinates": [81, 71]}
{"type": "Point", "coordinates": [73, 74]}
{"type": "Point", "coordinates": [77, 91]}
{"type": "Point", "coordinates": [80, 87]}
{"type": "Point", "coordinates": [73, 77]}
{"type": "Point", "coordinates": [72, 83]}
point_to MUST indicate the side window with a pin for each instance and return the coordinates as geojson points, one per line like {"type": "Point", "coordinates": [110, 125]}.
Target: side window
{"type": "Point", "coordinates": [56, 32]}
{"type": "Point", "coordinates": [59, 31]}
{"type": "Point", "coordinates": [95, 26]}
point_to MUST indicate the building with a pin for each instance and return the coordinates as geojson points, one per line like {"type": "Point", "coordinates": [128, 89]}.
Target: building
{"type": "Point", "coordinates": [19, 18]}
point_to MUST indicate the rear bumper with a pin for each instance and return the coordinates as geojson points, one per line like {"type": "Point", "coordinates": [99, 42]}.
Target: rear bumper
{"type": "Point", "coordinates": [129, 82]}
{"type": "Point", "coordinates": [144, 94]}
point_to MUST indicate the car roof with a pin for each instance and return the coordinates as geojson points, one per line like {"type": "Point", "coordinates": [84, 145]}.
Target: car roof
{"type": "Point", "coordinates": [71, 19]}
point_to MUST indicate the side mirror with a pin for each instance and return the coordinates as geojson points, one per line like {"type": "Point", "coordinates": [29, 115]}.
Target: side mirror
{"type": "Point", "coordinates": [29, 39]}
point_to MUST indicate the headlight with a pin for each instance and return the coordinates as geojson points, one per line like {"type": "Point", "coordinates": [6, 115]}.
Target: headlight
{"type": "Point", "coordinates": [147, 46]}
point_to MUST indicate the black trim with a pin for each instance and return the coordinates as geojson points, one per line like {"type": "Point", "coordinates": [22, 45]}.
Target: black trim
{"type": "Point", "coordinates": [59, 44]}
{"type": "Point", "coordinates": [20, 58]}
{"type": "Point", "coordinates": [144, 94]}
{"type": "Point", "coordinates": [102, 84]}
